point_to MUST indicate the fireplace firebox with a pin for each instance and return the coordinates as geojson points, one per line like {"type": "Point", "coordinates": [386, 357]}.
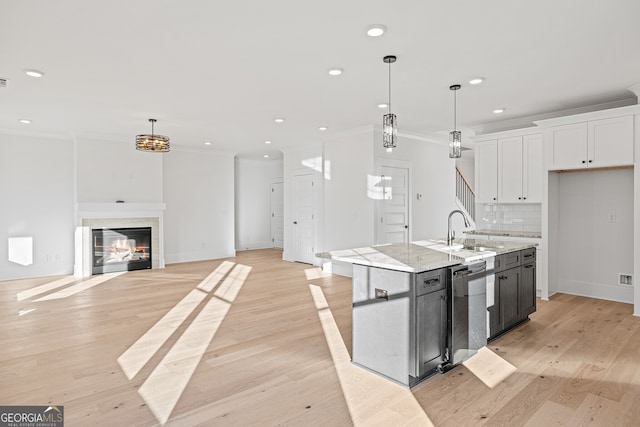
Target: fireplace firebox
{"type": "Point", "coordinates": [121, 249]}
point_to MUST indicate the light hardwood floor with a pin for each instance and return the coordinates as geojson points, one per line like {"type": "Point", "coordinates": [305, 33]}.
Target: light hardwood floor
{"type": "Point", "coordinates": [251, 342]}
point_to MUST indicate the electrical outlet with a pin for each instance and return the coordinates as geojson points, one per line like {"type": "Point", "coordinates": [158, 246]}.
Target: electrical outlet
{"type": "Point", "coordinates": [612, 217]}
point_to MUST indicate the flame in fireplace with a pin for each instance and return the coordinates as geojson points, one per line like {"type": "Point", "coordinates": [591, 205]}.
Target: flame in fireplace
{"type": "Point", "coordinates": [122, 245]}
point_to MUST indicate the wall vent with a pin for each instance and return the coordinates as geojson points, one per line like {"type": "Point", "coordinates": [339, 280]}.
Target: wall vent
{"type": "Point", "coordinates": [625, 279]}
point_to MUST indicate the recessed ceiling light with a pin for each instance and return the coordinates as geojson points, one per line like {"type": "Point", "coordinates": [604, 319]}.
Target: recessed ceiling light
{"type": "Point", "coordinates": [499, 110]}
{"type": "Point", "coordinates": [267, 142]}
{"type": "Point", "coordinates": [335, 71]}
{"type": "Point", "coordinates": [266, 156]}
{"type": "Point", "coordinates": [383, 105]}
{"type": "Point", "coordinates": [207, 143]}
{"type": "Point", "coordinates": [25, 121]}
{"type": "Point", "coordinates": [323, 128]}
{"type": "Point", "coordinates": [34, 73]}
{"type": "Point", "coordinates": [476, 81]}
{"type": "Point", "coordinates": [376, 30]}
{"type": "Point", "coordinates": [279, 120]}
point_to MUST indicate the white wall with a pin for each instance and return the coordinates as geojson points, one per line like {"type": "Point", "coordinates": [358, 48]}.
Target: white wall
{"type": "Point", "coordinates": [592, 249]}
{"type": "Point", "coordinates": [199, 194]}
{"type": "Point", "coordinates": [636, 214]}
{"type": "Point", "coordinates": [253, 180]}
{"type": "Point", "coordinates": [348, 211]}
{"type": "Point", "coordinates": [109, 171]}
{"type": "Point", "coordinates": [37, 200]}
{"type": "Point", "coordinates": [433, 176]}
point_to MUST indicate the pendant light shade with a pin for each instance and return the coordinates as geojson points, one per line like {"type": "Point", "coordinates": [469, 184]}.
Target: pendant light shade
{"type": "Point", "coordinates": [455, 136]}
{"type": "Point", "coordinates": [389, 122]}
{"type": "Point", "coordinates": [152, 143]}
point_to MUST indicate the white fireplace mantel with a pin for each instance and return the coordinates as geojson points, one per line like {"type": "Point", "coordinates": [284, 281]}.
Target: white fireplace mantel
{"type": "Point", "coordinates": [116, 215]}
{"type": "Point", "coordinates": [119, 210]}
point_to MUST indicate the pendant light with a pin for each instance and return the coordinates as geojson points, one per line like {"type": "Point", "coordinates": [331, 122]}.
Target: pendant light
{"type": "Point", "coordinates": [152, 143]}
{"type": "Point", "coordinates": [389, 123]}
{"type": "Point", "coordinates": [455, 136]}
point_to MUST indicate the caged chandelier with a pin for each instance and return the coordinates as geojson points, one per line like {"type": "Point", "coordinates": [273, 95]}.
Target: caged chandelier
{"type": "Point", "coordinates": [152, 143]}
{"type": "Point", "coordinates": [389, 123]}
{"type": "Point", "coordinates": [455, 136]}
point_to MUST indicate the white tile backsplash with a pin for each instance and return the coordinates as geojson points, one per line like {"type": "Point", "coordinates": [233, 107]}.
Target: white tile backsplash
{"type": "Point", "coordinates": [509, 217]}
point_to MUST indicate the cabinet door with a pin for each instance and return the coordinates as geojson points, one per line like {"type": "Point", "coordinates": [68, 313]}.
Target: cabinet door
{"type": "Point", "coordinates": [567, 146]}
{"type": "Point", "coordinates": [610, 142]}
{"type": "Point", "coordinates": [431, 332]}
{"type": "Point", "coordinates": [510, 170]}
{"type": "Point", "coordinates": [509, 283]}
{"type": "Point", "coordinates": [532, 168]}
{"type": "Point", "coordinates": [487, 172]}
{"type": "Point", "coordinates": [527, 297]}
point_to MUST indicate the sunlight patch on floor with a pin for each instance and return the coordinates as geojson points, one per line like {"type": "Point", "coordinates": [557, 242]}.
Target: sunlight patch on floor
{"type": "Point", "coordinates": [82, 286]}
{"type": "Point", "coordinates": [29, 293]}
{"type": "Point", "coordinates": [371, 400]}
{"type": "Point", "coordinates": [316, 273]}
{"type": "Point", "coordinates": [230, 287]}
{"type": "Point", "coordinates": [23, 312]}
{"type": "Point", "coordinates": [490, 368]}
{"type": "Point", "coordinates": [216, 276]}
{"type": "Point", "coordinates": [168, 380]}
{"type": "Point", "coordinates": [136, 356]}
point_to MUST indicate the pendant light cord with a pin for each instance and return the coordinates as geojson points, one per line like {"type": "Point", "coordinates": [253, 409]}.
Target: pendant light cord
{"type": "Point", "coordinates": [389, 87]}
{"type": "Point", "coordinates": [454, 110]}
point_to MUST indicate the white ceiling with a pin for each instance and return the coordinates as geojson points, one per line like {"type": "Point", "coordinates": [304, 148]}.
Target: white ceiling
{"type": "Point", "coordinates": [222, 71]}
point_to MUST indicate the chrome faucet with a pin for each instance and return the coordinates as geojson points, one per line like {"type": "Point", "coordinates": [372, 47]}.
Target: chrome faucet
{"type": "Point", "coordinates": [450, 233]}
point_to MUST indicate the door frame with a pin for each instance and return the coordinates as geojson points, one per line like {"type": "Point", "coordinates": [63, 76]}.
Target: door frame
{"type": "Point", "coordinates": [314, 209]}
{"type": "Point", "coordinates": [275, 181]}
{"type": "Point", "coordinates": [380, 162]}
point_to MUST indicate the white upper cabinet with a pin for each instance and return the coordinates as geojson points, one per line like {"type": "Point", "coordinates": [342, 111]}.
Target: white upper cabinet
{"type": "Point", "coordinates": [532, 174]}
{"type": "Point", "coordinates": [486, 165]}
{"type": "Point", "coordinates": [591, 144]}
{"type": "Point", "coordinates": [610, 142]}
{"type": "Point", "coordinates": [520, 169]}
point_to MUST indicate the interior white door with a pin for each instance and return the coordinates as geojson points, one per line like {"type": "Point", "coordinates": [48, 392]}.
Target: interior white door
{"type": "Point", "coordinates": [393, 226]}
{"type": "Point", "coordinates": [277, 214]}
{"type": "Point", "coordinates": [303, 218]}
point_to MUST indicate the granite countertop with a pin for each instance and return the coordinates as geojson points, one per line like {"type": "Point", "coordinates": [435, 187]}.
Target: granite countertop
{"type": "Point", "coordinates": [524, 234]}
{"type": "Point", "coordinates": [424, 255]}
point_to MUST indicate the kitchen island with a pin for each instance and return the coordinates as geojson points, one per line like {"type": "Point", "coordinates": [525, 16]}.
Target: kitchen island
{"type": "Point", "coordinates": [424, 306]}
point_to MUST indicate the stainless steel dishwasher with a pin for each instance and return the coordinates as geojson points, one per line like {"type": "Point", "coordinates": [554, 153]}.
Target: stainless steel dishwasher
{"type": "Point", "coordinates": [467, 312]}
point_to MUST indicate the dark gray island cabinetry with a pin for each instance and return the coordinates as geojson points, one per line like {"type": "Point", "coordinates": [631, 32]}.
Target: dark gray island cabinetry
{"type": "Point", "coordinates": [424, 306]}
{"type": "Point", "coordinates": [399, 321]}
{"type": "Point", "coordinates": [514, 292]}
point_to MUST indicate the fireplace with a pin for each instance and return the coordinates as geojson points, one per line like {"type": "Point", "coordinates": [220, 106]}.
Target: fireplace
{"type": "Point", "coordinates": [121, 249]}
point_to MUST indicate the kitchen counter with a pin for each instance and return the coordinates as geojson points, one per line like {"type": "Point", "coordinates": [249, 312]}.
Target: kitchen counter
{"type": "Point", "coordinates": [425, 255]}
{"type": "Point", "coordinates": [524, 234]}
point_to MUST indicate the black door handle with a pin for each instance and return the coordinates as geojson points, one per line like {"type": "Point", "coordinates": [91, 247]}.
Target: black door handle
{"type": "Point", "coordinates": [295, 222]}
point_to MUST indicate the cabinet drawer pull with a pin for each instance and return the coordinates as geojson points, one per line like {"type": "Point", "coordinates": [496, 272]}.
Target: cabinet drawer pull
{"type": "Point", "coordinates": [584, 161]}
{"type": "Point", "coordinates": [590, 161]}
{"type": "Point", "coordinates": [502, 277]}
{"type": "Point", "coordinates": [528, 266]}
{"type": "Point", "coordinates": [431, 281]}
{"type": "Point", "coordinates": [528, 255]}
